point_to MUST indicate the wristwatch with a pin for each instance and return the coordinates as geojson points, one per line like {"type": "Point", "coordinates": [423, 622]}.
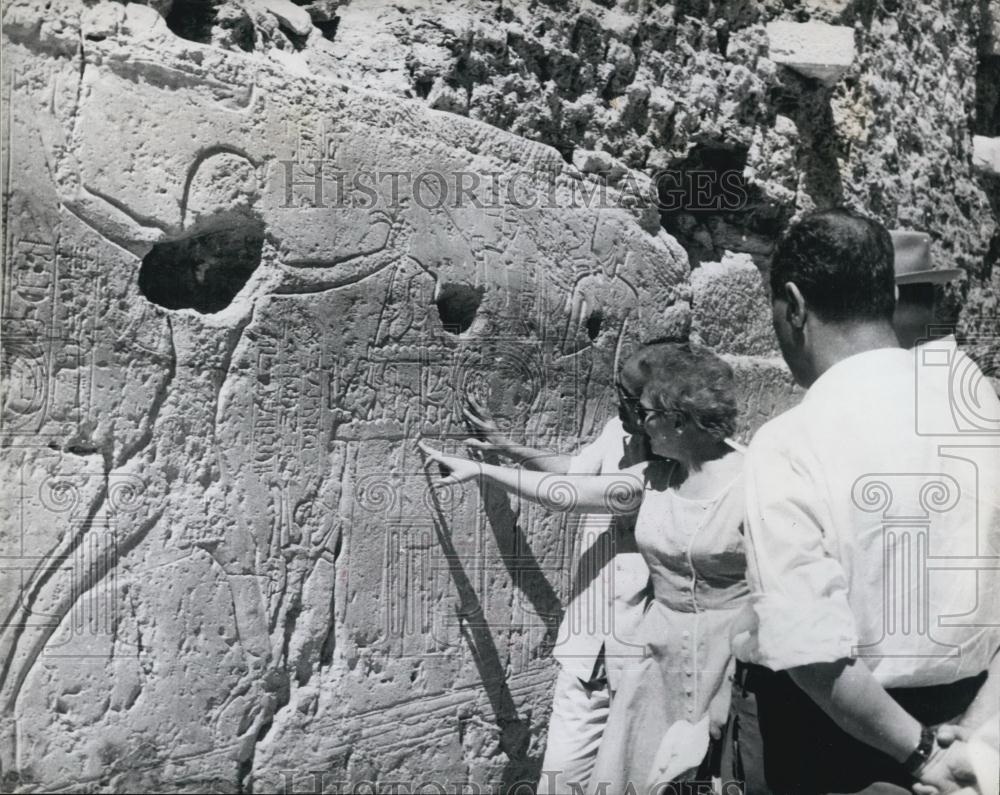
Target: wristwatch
{"type": "Point", "coordinates": [922, 752]}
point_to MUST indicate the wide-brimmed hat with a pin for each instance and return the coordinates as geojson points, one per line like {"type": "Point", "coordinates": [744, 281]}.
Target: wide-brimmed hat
{"type": "Point", "coordinates": [913, 260]}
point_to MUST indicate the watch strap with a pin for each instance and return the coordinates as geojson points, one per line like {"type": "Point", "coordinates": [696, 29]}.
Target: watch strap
{"type": "Point", "coordinates": [922, 752]}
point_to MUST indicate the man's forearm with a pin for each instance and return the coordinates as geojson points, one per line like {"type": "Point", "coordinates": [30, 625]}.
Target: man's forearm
{"type": "Point", "coordinates": [852, 697]}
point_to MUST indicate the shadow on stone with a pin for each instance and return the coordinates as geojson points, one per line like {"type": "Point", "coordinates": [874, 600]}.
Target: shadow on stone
{"type": "Point", "coordinates": [514, 730]}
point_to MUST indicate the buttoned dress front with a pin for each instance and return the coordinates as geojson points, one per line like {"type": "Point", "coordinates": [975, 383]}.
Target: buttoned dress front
{"type": "Point", "coordinates": [694, 551]}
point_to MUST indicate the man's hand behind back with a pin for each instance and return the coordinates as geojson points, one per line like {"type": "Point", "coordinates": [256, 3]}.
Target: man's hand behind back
{"type": "Point", "coordinates": [950, 768]}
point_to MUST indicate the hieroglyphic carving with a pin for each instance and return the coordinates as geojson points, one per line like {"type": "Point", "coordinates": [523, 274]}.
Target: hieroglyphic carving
{"type": "Point", "coordinates": [452, 564]}
{"type": "Point", "coordinates": [294, 377]}
{"type": "Point", "coordinates": [87, 554]}
{"type": "Point", "coordinates": [41, 354]}
{"type": "Point", "coordinates": [262, 423]}
{"type": "Point", "coordinates": [61, 339]}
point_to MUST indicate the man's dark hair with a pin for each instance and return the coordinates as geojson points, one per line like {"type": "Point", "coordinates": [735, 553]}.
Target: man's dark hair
{"type": "Point", "coordinates": [842, 262]}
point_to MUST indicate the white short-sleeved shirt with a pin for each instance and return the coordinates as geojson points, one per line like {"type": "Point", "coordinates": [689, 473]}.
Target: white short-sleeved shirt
{"type": "Point", "coordinates": [873, 526]}
{"type": "Point", "coordinates": [610, 578]}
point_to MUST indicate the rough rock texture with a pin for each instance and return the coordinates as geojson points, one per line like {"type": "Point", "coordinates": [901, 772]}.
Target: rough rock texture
{"type": "Point", "coordinates": [813, 49]}
{"type": "Point", "coordinates": [232, 564]}
{"type": "Point", "coordinates": [731, 308]}
{"type": "Point", "coordinates": [222, 331]}
{"type": "Point", "coordinates": [688, 86]}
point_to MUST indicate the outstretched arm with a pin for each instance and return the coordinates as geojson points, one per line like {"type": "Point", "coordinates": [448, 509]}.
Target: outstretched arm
{"type": "Point", "coordinates": [618, 493]}
{"type": "Point", "coordinates": [494, 441]}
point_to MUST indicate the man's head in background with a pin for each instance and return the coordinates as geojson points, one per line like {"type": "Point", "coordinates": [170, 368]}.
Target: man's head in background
{"type": "Point", "coordinates": [832, 290]}
{"type": "Point", "coordinates": [917, 307]}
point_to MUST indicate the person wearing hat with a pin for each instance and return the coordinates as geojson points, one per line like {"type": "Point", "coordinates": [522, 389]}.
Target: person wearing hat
{"type": "Point", "coordinates": [914, 322]}
{"type": "Point", "coordinates": [916, 281]}
{"type": "Point", "coordinates": [917, 323]}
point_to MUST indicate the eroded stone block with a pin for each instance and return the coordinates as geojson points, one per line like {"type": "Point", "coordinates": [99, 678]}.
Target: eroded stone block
{"type": "Point", "coordinates": [814, 49]}
{"type": "Point", "coordinates": [291, 16]}
{"type": "Point", "coordinates": [731, 309]}
{"type": "Point", "coordinates": [986, 154]}
{"type": "Point", "coordinates": [766, 388]}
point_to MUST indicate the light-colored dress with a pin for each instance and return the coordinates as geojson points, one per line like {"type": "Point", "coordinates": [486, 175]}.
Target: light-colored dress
{"type": "Point", "coordinates": [694, 550]}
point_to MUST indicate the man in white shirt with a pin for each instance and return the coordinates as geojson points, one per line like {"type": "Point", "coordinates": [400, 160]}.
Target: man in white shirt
{"type": "Point", "coordinates": [873, 547]}
{"type": "Point", "coordinates": [610, 585]}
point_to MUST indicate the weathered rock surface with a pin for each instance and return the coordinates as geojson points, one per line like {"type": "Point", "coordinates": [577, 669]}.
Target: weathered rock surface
{"type": "Point", "coordinates": [232, 564]}
{"type": "Point", "coordinates": [250, 258]}
{"type": "Point", "coordinates": [986, 155]}
{"type": "Point", "coordinates": [731, 307]}
{"type": "Point", "coordinates": [813, 49]}
{"type": "Point", "coordinates": [689, 87]}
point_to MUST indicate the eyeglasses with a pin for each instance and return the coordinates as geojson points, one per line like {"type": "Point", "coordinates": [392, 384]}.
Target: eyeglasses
{"type": "Point", "coordinates": [628, 401]}
{"type": "Point", "coordinates": [642, 415]}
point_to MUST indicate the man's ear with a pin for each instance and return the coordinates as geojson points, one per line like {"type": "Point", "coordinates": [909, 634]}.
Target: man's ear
{"type": "Point", "coordinates": [795, 311]}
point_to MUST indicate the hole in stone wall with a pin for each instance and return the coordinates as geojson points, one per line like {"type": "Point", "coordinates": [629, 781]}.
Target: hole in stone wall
{"type": "Point", "coordinates": [457, 305]}
{"type": "Point", "coordinates": [204, 272]}
{"type": "Point", "coordinates": [711, 178]}
{"type": "Point", "coordinates": [423, 86]}
{"type": "Point", "coordinates": [722, 39]}
{"type": "Point", "coordinates": [328, 27]}
{"type": "Point", "coordinates": [192, 19]}
{"type": "Point", "coordinates": [593, 324]}
{"type": "Point", "coordinates": [708, 206]}
{"type": "Point", "coordinates": [697, 192]}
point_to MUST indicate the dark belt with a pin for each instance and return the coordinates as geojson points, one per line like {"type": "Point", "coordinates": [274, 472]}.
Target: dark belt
{"type": "Point", "coordinates": [930, 705]}
{"type": "Point", "coordinates": [793, 746]}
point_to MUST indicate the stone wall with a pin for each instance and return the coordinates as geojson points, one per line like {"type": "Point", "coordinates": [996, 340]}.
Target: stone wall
{"type": "Point", "coordinates": [224, 569]}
